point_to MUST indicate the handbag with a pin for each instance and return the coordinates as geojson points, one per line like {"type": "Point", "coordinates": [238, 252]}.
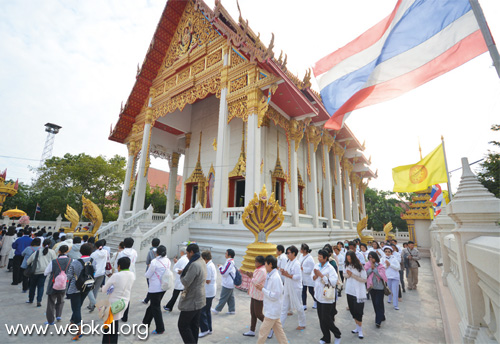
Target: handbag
{"type": "Point", "coordinates": [108, 269]}
{"type": "Point", "coordinates": [387, 291]}
{"type": "Point", "coordinates": [118, 306]}
{"type": "Point", "coordinates": [328, 292]}
{"type": "Point", "coordinates": [30, 269]}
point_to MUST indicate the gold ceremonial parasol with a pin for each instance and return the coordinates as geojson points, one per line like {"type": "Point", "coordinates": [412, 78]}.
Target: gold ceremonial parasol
{"type": "Point", "coordinates": [14, 213]}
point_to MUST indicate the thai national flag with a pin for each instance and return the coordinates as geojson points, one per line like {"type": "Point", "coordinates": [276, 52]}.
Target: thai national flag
{"type": "Point", "coordinates": [419, 41]}
{"type": "Point", "coordinates": [38, 209]}
{"type": "Point", "coordinates": [436, 193]}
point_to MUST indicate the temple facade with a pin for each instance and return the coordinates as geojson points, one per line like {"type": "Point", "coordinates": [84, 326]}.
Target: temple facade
{"type": "Point", "coordinates": [211, 91]}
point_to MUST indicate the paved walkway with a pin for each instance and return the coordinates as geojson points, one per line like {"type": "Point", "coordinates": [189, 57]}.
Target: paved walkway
{"type": "Point", "coordinates": [417, 321]}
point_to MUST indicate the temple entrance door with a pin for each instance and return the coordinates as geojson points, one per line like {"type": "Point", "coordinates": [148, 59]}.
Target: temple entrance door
{"type": "Point", "coordinates": [194, 196]}
{"type": "Point", "coordinates": [277, 192]}
{"type": "Point", "coordinates": [239, 195]}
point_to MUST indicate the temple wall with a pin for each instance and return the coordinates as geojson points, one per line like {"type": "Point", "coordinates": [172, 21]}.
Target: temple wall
{"type": "Point", "coordinates": [205, 117]}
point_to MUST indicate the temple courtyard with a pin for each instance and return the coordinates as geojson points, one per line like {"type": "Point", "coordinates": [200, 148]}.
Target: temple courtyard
{"type": "Point", "coordinates": [417, 321]}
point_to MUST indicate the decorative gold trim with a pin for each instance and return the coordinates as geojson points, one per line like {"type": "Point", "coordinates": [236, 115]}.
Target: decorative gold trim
{"type": "Point", "coordinates": [300, 181]}
{"type": "Point", "coordinates": [237, 109]}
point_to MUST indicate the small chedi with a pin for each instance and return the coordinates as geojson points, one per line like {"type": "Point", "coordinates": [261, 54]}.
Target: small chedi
{"type": "Point", "coordinates": [362, 225]}
{"type": "Point", "coordinates": [262, 216]}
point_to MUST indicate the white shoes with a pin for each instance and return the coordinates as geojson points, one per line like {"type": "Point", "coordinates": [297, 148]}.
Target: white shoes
{"type": "Point", "coordinates": [214, 311]}
{"type": "Point", "coordinates": [396, 308]}
{"type": "Point", "coordinates": [249, 334]}
{"type": "Point", "coordinates": [336, 341]}
{"type": "Point", "coordinates": [315, 306]}
{"type": "Point", "coordinates": [231, 313]}
{"type": "Point", "coordinates": [321, 341]}
{"type": "Point", "coordinates": [203, 334]}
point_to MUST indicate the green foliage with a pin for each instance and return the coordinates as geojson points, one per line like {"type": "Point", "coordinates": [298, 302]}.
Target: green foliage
{"type": "Point", "coordinates": [382, 207]}
{"type": "Point", "coordinates": [489, 174]}
{"type": "Point", "coordinates": [157, 198]}
{"type": "Point", "coordinates": [63, 181]}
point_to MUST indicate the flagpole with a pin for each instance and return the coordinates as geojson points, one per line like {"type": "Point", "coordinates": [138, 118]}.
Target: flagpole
{"type": "Point", "coordinates": [447, 173]}
{"type": "Point", "coordinates": [485, 30]}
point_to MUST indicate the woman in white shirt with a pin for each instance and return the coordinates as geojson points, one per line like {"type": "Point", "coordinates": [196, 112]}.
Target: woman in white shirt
{"type": "Point", "coordinates": [117, 288]}
{"type": "Point", "coordinates": [355, 290]}
{"type": "Point", "coordinates": [101, 257]}
{"type": "Point", "coordinates": [376, 248]}
{"type": "Point", "coordinates": [210, 291]}
{"type": "Point", "coordinates": [306, 266]}
{"type": "Point", "coordinates": [392, 266]}
{"type": "Point", "coordinates": [292, 288]}
{"type": "Point", "coordinates": [323, 274]}
{"type": "Point", "coordinates": [156, 269]}
{"type": "Point", "coordinates": [282, 259]}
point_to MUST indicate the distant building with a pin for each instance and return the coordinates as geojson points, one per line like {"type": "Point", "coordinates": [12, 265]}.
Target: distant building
{"type": "Point", "coordinates": [158, 179]}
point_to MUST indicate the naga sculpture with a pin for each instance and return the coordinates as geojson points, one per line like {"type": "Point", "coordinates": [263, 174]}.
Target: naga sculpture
{"type": "Point", "coordinates": [387, 229]}
{"type": "Point", "coordinates": [262, 216]}
{"type": "Point", "coordinates": [73, 217]}
{"type": "Point", "coordinates": [362, 225]}
{"type": "Point", "coordinates": [92, 212]}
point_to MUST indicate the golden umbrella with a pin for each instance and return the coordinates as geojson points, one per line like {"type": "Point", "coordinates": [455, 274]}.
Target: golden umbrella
{"type": "Point", "coordinates": [14, 213]}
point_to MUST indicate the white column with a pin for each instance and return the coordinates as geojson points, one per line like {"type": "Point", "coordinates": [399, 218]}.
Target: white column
{"type": "Point", "coordinates": [294, 199]}
{"type": "Point", "coordinates": [347, 197]}
{"type": "Point", "coordinates": [252, 178]}
{"type": "Point", "coordinates": [142, 178]}
{"type": "Point", "coordinates": [221, 167]}
{"type": "Point", "coordinates": [339, 206]}
{"type": "Point", "coordinates": [126, 198]}
{"type": "Point", "coordinates": [184, 172]}
{"type": "Point", "coordinates": [355, 205]}
{"type": "Point", "coordinates": [172, 183]}
{"type": "Point", "coordinates": [363, 201]}
{"type": "Point", "coordinates": [312, 187]}
{"type": "Point", "coordinates": [327, 190]}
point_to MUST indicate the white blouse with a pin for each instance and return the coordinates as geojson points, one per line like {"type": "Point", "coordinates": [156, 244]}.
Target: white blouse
{"type": "Point", "coordinates": [155, 271]}
{"type": "Point", "coordinates": [307, 265]}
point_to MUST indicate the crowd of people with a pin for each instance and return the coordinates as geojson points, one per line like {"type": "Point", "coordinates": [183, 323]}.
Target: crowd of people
{"type": "Point", "coordinates": [77, 267]}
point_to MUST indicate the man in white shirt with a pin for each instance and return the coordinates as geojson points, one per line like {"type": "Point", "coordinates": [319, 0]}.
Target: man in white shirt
{"type": "Point", "coordinates": [352, 247]}
{"type": "Point", "coordinates": [210, 291]}
{"type": "Point", "coordinates": [228, 272]}
{"type": "Point", "coordinates": [178, 286]}
{"type": "Point", "coordinates": [129, 252]}
{"type": "Point", "coordinates": [282, 259]}
{"type": "Point", "coordinates": [273, 298]}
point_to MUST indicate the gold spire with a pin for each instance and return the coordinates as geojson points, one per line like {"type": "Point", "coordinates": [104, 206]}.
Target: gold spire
{"type": "Point", "coordinates": [240, 169]}
{"type": "Point", "coordinates": [197, 176]}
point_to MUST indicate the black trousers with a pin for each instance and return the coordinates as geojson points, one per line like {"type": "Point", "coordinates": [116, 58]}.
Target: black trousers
{"type": "Point", "coordinates": [173, 299]}
{"type": "Point", "coordinates": [189, 325]}
{"type": "Point", "coordinates": [325, 315]}
{"type": "Point", "coordinates": [304, 294]}
{"type": "Point", "coordinates": [16, 267]}
{"type": "Point", "coordinates": [125, 314]}
{"type": "Point", "coordinates": [146, 300]}
{"type": "Point", "coordinates": [76, 306]}
{"type": "Point", "coordinates": [356, 308]}
{"type": "Point", "coordinates": [154, 311]}
{"type": "Point", "coordinates": [111, 335]}
{"type": "Point", "coordinates": [378, 305]}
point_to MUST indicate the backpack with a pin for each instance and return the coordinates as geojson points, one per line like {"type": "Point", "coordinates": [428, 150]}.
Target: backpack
{"type": "Point", "coordinates": [85, 282]}
{"type": "Point", "coordinates": [237, 278]}
{"type": "Point", "coordinates": [167, 279]}
{"type": "Point", "coordinates": [59, 282]}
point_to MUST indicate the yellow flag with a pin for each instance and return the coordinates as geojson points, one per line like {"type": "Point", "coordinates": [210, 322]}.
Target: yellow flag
{"type": "Point", "coordinates": [428, 171]}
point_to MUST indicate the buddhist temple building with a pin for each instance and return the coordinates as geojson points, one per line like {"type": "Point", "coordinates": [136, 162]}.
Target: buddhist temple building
{"type": "Point", "coordinates": [418, 218]}
{"type": "Point", "coordinates": [211, 91]}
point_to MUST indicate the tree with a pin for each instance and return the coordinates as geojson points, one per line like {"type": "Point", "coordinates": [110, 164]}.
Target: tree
{"type": "Point", "coordinates": [489, 174]}
{"type": "Point", "coordinates": [63, 181]}
{"type": "Point", "coordinates": [382, 207]}
{"type": "Point", "coordinates": [157, 198]}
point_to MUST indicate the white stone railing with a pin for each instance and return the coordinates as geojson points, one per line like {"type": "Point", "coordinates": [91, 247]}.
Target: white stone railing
{"type": "Point", "coordinates": [288, 218]}
{"type": "Point", "coordinates": [305, 220]}
{"type": "Point", "coordinates": [158, 217]}
{"type": "Point", "coordinates": [125, 224]}
{"type": "Point", "coordinates": [380, 236]}
{"type": "Point", "coordinates": [236, 213]}
{"type": "Point", "coordinates": [467, 241]}
{"type": "Point", "coordinates": [167, 229]}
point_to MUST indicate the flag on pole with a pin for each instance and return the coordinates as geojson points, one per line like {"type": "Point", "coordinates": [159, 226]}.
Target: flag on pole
{"type": "Point", "coordinates": [419, 41]}
{"type": "Point", "coordinates": [435, 193]}
{"type": "Point", "coordinates": [38, 209]}
{"type": "Point", "coordinates": [417, 177]}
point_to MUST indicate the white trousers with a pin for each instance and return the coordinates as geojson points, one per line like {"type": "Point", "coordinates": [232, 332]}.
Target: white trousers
{"type": "Point", "coordinates": [286, 306]}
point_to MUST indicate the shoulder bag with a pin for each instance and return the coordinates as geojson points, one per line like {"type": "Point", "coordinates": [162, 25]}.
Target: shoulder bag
{"type": "Point", "coordinates": [30, 269]}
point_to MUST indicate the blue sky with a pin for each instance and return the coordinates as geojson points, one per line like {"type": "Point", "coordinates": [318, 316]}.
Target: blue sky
{"type": "Point", "coordinates": [73, 63]}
